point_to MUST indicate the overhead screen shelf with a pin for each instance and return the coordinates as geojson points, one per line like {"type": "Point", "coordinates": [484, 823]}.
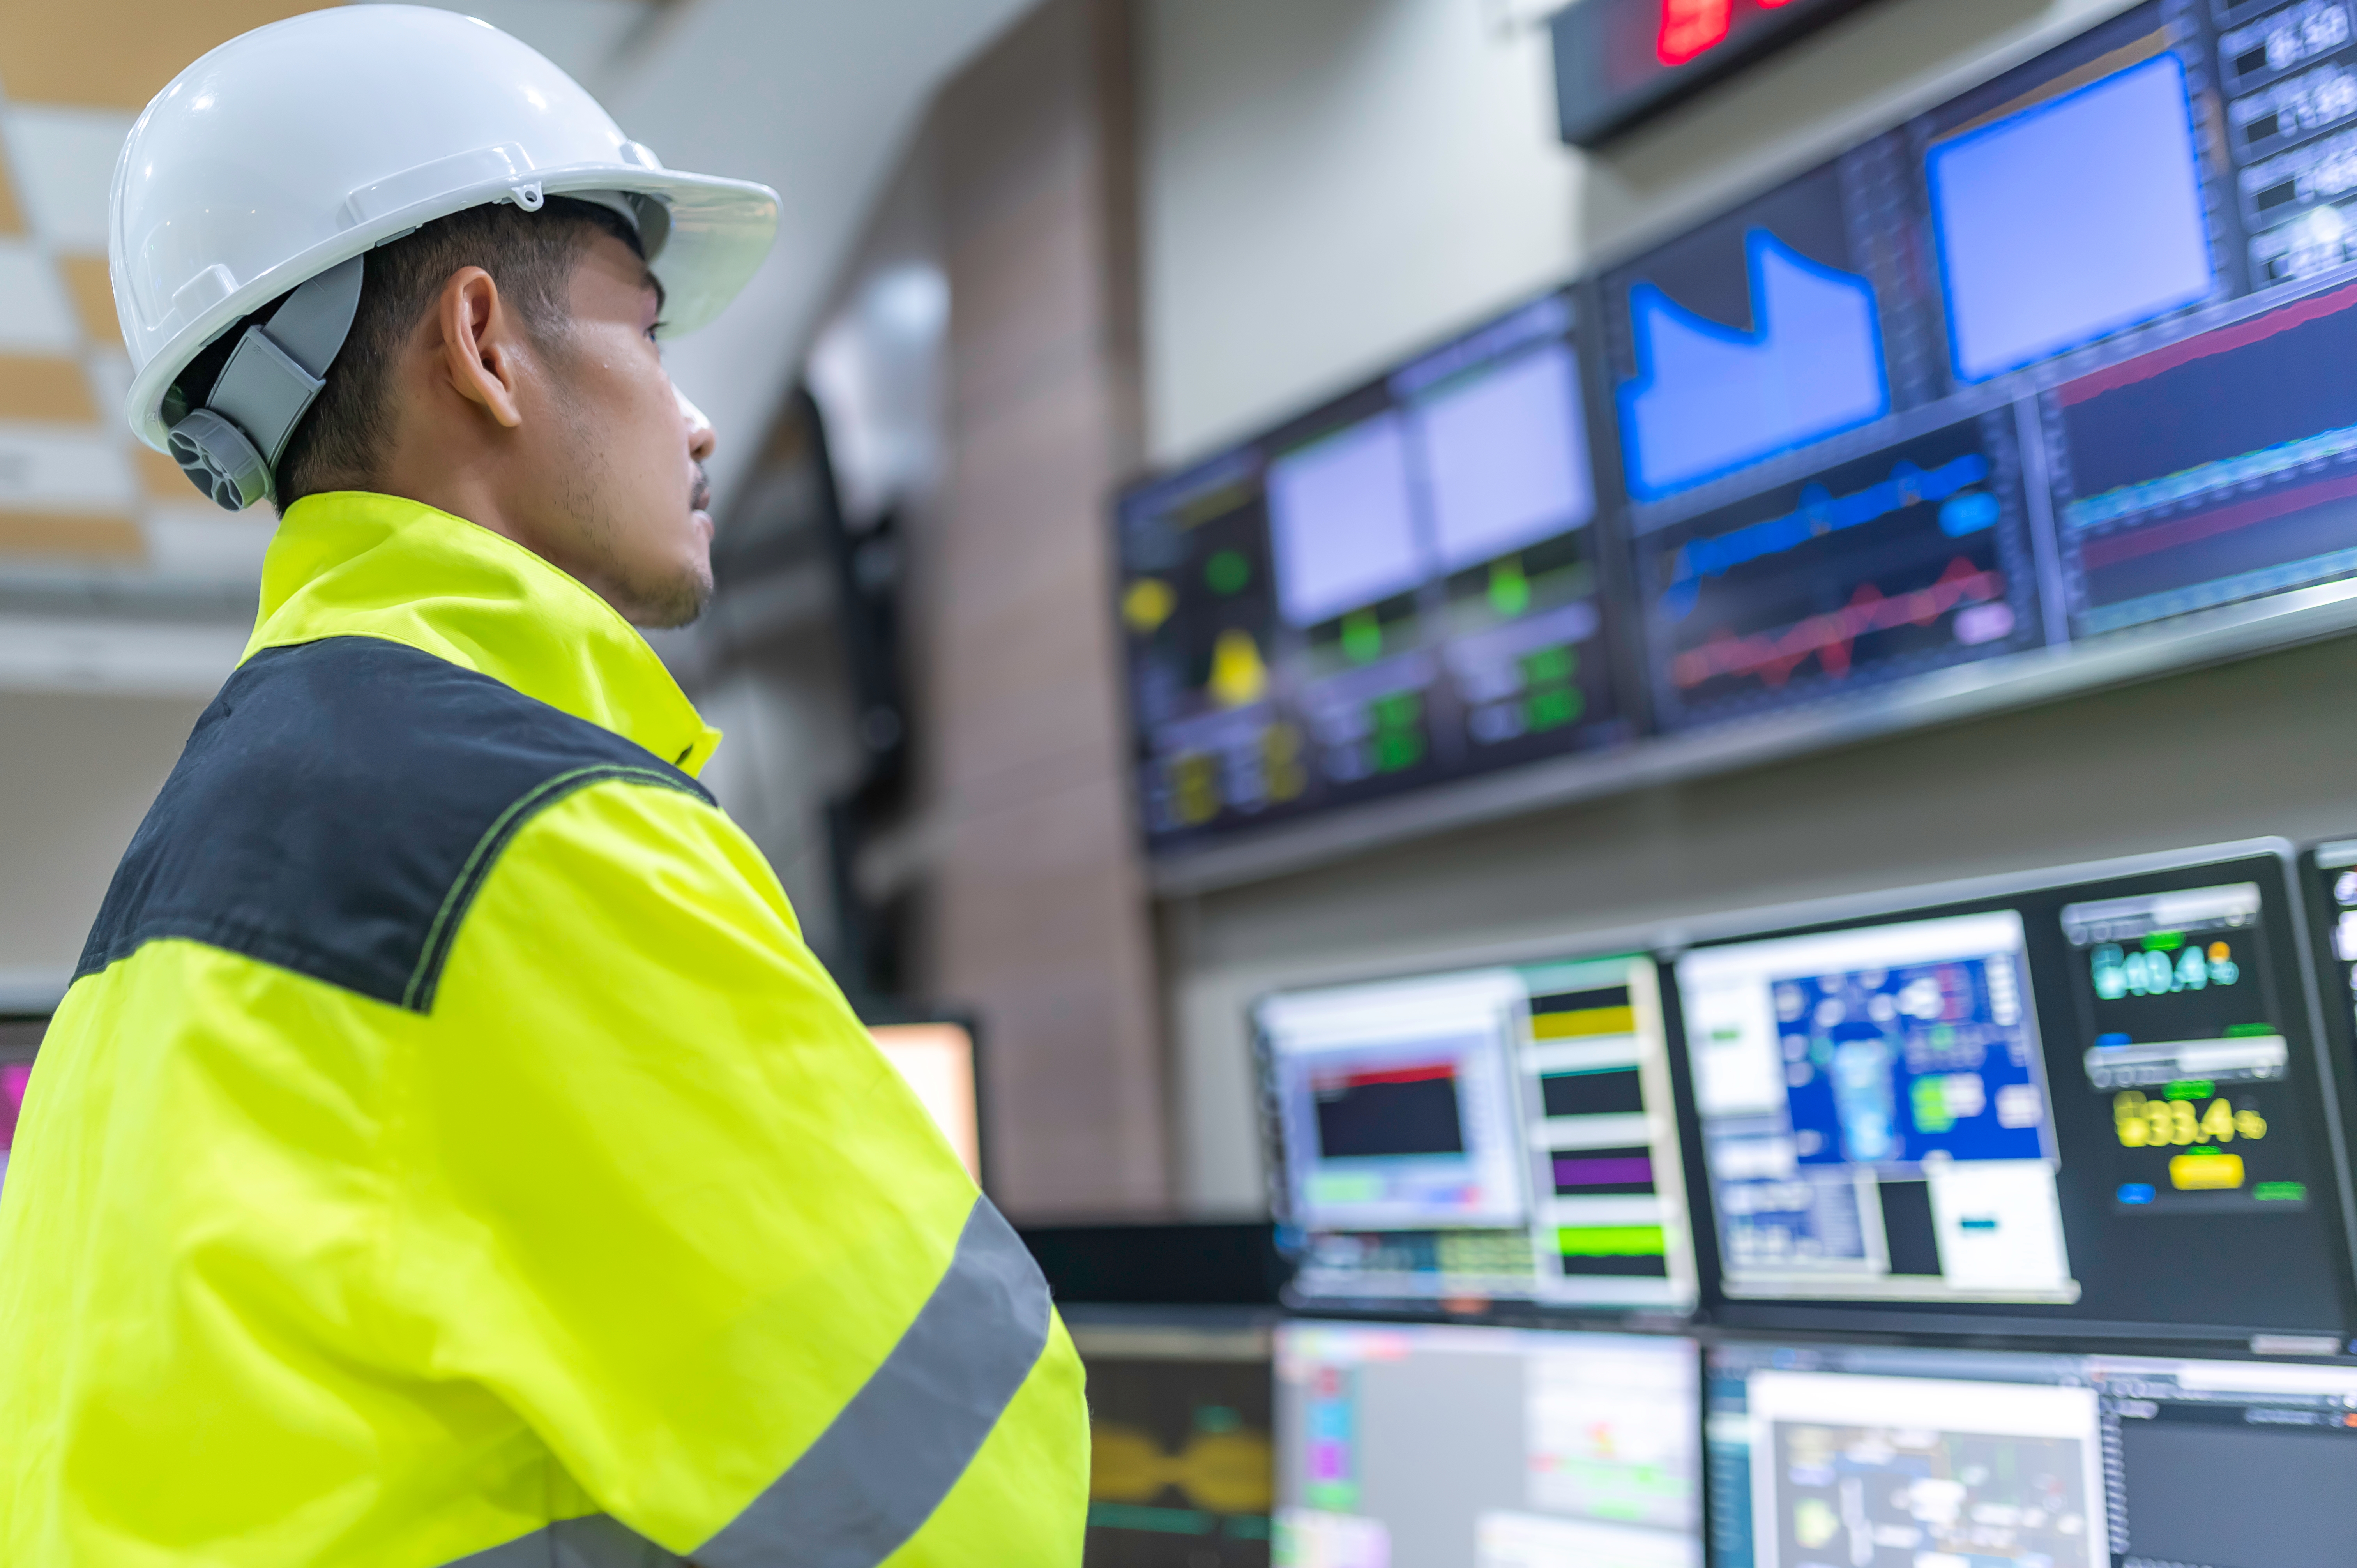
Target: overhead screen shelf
{"type": "Point", "coordinates": [2040, 391]}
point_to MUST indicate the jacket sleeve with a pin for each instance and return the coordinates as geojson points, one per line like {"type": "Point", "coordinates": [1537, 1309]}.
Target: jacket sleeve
{"type": "Point", "coordinates": [676, 1211]}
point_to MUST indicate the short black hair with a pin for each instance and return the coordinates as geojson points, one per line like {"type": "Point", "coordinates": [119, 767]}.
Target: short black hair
{"type": "Point", "coordinates": [531, 255]}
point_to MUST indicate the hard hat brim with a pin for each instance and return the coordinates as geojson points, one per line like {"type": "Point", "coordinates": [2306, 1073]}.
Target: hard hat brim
{"type": "Point", "coordinates": [719, 233]}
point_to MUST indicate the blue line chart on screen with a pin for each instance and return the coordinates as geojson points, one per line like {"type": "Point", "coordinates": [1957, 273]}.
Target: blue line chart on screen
{"type": "Point", "coordinates": [1709, 399]}
{"type": "Point", "coordinates": [1962, 510]}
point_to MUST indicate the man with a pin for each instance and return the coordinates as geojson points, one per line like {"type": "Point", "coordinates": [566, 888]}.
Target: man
{"type": "Point", "coordinates": [448, 1151]}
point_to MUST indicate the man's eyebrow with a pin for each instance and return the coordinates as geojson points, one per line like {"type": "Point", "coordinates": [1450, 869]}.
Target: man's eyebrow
{"type": "Point", "coordinates": [648, 280]}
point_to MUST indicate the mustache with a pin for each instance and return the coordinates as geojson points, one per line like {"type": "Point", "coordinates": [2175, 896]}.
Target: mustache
{"type": "Point", "coordinates": [699, 495]}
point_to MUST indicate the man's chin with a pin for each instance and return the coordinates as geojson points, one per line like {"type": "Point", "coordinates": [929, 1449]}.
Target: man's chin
{"type": "Point", "coordinates": [667, 607]}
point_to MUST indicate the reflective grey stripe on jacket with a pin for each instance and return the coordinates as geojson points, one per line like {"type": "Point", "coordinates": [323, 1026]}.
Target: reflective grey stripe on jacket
{"type": "Point", "coordinates": [890, 1457]}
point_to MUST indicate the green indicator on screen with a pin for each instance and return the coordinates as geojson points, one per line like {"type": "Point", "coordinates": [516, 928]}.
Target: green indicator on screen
{"type": "Point", "coordinates": [1227, 572]}
{"type": "Point", "coordinates": [2164, 941]}
{"type": "Point", "coordinates": [1550, 666]}
{"type": "Point", "coordinates": [2280, 1191]}
{"type": "Point", "coordinates": [1928, 1103]}
{"type": "Point", "coordinates": [1509, 589]}
{"type": "Point", "coordinates": [1163, 1521]}
{"type": "Point", "coordinates": [2190, 1089]}
{"type": "Point", "coordinates": [1611, 1240]}
{"type": "Point", "coordinates": [1555, 708]}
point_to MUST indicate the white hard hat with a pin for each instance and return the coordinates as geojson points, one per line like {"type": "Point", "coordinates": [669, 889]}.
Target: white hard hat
{"type": "Point", "coordinates": [299, 146]}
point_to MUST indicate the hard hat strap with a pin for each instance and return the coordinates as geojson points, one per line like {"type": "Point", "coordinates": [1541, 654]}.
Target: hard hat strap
{"type": "Point", "coordinates": [231, 447]}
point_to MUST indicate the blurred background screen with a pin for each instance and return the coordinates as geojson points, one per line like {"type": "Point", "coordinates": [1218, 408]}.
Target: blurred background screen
{"type": "Point", "coordinates": [938, 1061]}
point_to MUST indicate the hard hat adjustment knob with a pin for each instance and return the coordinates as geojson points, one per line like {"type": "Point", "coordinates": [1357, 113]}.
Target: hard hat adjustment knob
{"type": "Point", "coordinates": [219, 460]}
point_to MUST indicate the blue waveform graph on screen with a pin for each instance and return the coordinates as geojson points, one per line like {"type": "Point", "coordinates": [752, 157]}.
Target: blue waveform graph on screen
{"type": "Point", "coordinates": [2070, 219]}
{"type": "Point", "coordinates": [1962, 510]}
{"type": "Point", "coordinates": [1892, 564]}
{"type": "Point", "coordinates": [1709, 398]}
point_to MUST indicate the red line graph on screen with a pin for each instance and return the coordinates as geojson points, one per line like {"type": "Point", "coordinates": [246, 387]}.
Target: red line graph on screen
{"type": "Point", "coordinates": [2112, 549]}
{"type": "Point", "coordinates": [1772, 657]}
{"type": "Point", "coordinates": [2209, 345]}
{"type": "Point", "coordinates": [1423, 1072]}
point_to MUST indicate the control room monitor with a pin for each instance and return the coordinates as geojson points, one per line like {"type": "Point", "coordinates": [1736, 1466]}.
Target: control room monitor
{"type": "Point", "coordinates": [1891, 1457]}
{"type": "Point", "coordinates": [1182, 1470]}
{"type": "Point", "coordinates": [1498, 1134]}
{"type": "Point", "coordinates": [938, 1061]}
{"type": "Point", "coordinates": [2045, 1104]}
{"type": "Point", "coordinates": [1491, 1447]}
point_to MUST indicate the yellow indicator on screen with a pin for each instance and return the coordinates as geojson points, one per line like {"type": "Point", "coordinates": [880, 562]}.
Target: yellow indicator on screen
{"type": "Point", "coordinates": [1148, 604]}
{"type": "Point", "coordinates": [1238, 676]}
{"type": "Point", "coordinates": [1583, 1022]}
{"type": "Point", "coordinates": [2206, 1173]}
{"type": "Point", "coordinates": [1280, 747]}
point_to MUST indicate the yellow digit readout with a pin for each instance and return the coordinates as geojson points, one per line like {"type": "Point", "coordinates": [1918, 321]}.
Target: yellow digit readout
{"type": "Point", "coordinates": [2144, 1123]}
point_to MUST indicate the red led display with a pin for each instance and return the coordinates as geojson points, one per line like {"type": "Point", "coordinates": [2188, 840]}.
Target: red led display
{"type": "Point", "coordinates": [1619, 61]}
{"type": "Point", "coordinates": [1690, 26]}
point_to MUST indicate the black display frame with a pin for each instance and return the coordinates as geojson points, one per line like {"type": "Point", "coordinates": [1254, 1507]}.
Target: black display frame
{"type": "Point", "coordinates": [2280, 864]}
{"type": "Point", "coordinates": [1641, 947]}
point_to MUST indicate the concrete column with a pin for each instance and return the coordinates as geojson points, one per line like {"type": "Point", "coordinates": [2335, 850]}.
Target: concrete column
{"type": "Point", "coordinates": [1038, 913]}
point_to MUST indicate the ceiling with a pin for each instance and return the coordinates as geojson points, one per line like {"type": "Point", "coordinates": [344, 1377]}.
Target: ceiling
{"type": "Point", "coordinates": [114, 572]}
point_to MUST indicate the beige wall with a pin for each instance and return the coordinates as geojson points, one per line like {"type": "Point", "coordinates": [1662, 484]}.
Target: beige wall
{"type": "Point", "coordinates": [1330, 182]}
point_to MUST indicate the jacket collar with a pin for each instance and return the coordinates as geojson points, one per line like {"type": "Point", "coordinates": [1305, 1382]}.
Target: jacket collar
{"type": "Point", "coordinates": [352, 563]}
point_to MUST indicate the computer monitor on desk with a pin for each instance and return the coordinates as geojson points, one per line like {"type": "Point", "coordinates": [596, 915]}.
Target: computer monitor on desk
{"type": "Point", "coordinates": [1873, 1456]}
{"type": "Point", "coordinates": [2035, 1103]}
{"type": "Point", "coordinates": [937, 1060]}
{"type": "Point", "coordinates": [1493, 1134]}
{"type": "Point", "coordinates": [1401, 1445]}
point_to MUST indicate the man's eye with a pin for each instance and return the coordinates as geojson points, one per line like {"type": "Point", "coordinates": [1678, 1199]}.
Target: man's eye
{"type": "Point", "coordinates": [656, 328]}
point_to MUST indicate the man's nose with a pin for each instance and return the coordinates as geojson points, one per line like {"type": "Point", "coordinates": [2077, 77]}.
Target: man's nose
{"type": "Point", "coordinates": [700, 438]}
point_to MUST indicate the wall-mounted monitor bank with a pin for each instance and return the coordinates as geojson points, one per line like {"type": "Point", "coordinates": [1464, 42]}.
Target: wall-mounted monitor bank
{"type": "Point", "coordinates": [2043, 389]}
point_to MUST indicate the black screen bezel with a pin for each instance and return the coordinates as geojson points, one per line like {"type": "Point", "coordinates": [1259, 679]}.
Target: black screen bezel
{"type": "Point", "coordinates": [2272, 864]}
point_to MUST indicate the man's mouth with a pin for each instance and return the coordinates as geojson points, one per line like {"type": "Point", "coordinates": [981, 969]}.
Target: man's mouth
{"type": "Point", "coordinates": [699, 499]}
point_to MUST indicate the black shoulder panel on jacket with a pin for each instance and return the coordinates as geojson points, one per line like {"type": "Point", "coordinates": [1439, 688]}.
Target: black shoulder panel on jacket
{"type": "Point", "coordinates": [338, 806]}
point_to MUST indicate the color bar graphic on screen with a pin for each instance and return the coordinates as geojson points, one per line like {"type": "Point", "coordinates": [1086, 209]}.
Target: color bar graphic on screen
{"type": "Point", "coordinates": [1604, 1091]}
{"type": "Point", "coordinates": [1583, 1014]}
{"type": "Point", "coordinates": [1427, 1073]}
{"type": "Point", "coordinates": [1611, 1240]}
{"type": "Point", "coordinates": [1601, 1170]}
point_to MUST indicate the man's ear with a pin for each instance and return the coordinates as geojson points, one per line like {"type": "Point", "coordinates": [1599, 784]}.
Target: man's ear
{"type": "Point", "coordinates": [479, 348]}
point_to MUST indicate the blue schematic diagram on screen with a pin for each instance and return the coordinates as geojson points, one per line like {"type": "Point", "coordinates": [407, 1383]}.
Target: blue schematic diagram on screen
{"type": "Point", "coordinates": [1709, 398]}
{"type": "Point", "coordinates": [1897, 1065]}
{"type": "Point", "coordinates": [1875, 1112]}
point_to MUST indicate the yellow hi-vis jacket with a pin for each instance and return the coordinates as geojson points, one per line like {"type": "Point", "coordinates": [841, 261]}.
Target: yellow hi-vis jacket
{"type": "Point", "coordinates": [449, 1152]}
